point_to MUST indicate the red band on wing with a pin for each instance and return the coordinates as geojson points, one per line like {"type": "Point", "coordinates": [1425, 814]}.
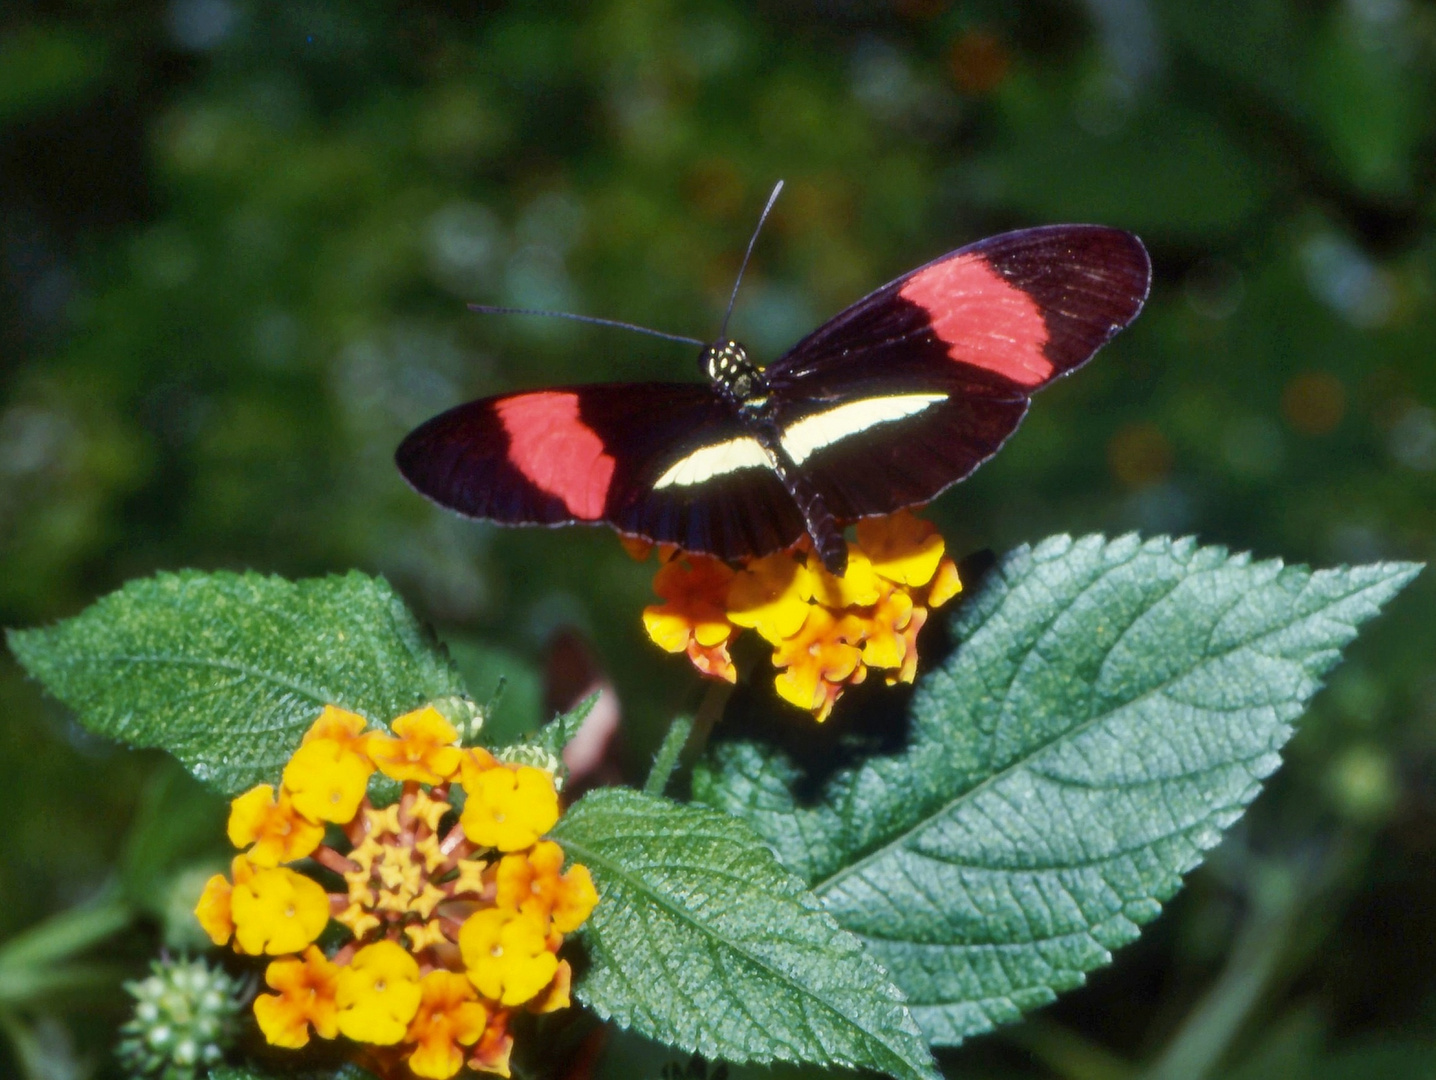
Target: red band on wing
{"type": "Point", "coordinates": [556, 451]}
{"type": "Point", "coordinates": [982, 318]}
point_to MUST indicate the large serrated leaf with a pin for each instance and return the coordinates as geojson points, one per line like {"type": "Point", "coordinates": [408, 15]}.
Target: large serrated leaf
{"type": "Point", "coordinates": [701, 940]}
{"type": "Point", "coordinates": [226, 671]}
{"type": "Point", "coordinates": [1112, 708]}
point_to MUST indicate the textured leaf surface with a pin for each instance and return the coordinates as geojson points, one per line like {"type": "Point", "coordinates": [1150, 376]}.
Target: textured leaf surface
{"type": "Point", "coordinates": [701, 940]}
{"type": "Point", "coordinates": [1112, 708]}
{"type": "Point", "coordinates": [251, 1071]}
{"type": "Point", "coordinates": [226, 671]}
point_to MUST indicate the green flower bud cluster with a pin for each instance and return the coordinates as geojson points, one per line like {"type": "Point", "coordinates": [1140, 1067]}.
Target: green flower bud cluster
{"type": "Point", "coordinates": [186, 1017]}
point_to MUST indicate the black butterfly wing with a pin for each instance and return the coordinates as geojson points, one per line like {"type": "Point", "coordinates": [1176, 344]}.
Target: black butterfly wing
{"type": "Point", "coordinates": [665, 461]}
{"type": "Point", "coordinates": [914, 386]}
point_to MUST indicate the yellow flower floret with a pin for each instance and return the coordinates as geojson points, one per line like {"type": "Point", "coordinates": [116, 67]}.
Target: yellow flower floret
{"type": "Point", "coordinates": [213, 909]}
{"type": "Point", "coordinates": [508, 808]}
{"type": "Point", "coordinates": [425, 1003]}
{"type": "Point", "coordinates": [903, 547]}
{"type": "Point", "coordinates": [426, 749]}
{"type": "Point", "coordinates": [506, 954]}
{"type": "Point", "coordinates": [450, 1016]}
{"type": "Point", "coordinates": [326, 779]}
{"type": "Point", "coordinates": [278, 911]}
{"type": "Point", "coordinates": [827, 630]}
{"type": "Point", "coordinates": [858, 587]}
{"type": "Point", "coordinates": [531, 883]}
{"type": "Point", "coordinates": [277, 830]}
{"type": "Point", "coordinates": [771, 596]}
{"type": "Point", "coordinates": [378, 994]}
{"type": "Point", "coordinates": [306, 998]}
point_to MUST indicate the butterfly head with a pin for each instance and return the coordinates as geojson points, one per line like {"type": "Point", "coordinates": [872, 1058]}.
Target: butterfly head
{"type": "Point", "coordinates": [737, 377]}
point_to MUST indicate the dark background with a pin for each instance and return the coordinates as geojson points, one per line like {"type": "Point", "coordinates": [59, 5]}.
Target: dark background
{"type": "Point", "coordinates": [236, 240]}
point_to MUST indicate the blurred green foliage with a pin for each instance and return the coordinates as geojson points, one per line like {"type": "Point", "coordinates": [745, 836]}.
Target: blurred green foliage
{"type": "Point", "coordinates": [236, 239]}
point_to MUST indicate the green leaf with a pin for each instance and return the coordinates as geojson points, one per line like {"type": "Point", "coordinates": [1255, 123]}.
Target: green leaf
{"type": "Point", "coordinates": [226, 671]}
{"type": "Point", "coordinates": [1112, 708]}
{"type": "Point", "coordinates": [267, 1071]}
{"type": "Point", "coordinates": [701, 940]}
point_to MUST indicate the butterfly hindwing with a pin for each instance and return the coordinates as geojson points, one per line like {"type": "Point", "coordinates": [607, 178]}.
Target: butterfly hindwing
{"type": "Point", "coordinates": [910, 459]}
{"type": "Point", "coordinates": [600, 453]}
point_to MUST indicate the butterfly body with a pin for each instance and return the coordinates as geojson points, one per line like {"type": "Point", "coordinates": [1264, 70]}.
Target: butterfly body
{"type": "Point", "coordinates": [885, 406]}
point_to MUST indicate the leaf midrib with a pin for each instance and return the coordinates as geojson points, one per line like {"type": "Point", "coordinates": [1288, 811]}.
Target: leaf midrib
{"type": "Point", "coordinates": [831, 881]}
{"type": "Point", "coordinates": [222, 665]}
{"type": "Point", "coordinates": [640, 886]}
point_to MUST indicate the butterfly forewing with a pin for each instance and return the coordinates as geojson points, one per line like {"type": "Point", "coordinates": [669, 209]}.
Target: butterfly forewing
{"type": "Point", "coordinates": [601, 453]}
{"type": "Point", "coordinates": [1012, 313]}
{"type": "Point", "coordinates": [895, 399]}
{"type": "Point", "coordinates": [976, 332]}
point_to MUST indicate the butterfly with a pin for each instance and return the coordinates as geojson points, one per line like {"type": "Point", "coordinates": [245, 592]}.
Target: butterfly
{"type": "Point", "coordinates": [883, 407]}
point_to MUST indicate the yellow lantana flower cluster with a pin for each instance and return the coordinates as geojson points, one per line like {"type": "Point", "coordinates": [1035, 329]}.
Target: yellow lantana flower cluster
{"type": "Point", "coordinates": [826, 631]}
{"type": "Point", "coordinates": [455, 919]}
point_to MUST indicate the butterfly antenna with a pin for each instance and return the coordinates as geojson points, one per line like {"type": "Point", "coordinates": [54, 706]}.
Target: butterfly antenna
{"type": "Point", "coordinates": [489, 309]}
{"type": "Point", "coordinates": [723, 330]}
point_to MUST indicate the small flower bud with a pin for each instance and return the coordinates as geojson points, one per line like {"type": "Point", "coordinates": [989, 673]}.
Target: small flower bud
{"type": "Point", "coordinates": [185, 1018]}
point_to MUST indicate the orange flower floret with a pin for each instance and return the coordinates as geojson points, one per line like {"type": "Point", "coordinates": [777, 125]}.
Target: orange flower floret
{"type": "Point", "coordinates": [278, 911]}
{"type": "Point", "coordinates": [715, 661]}
{"type": "Point", "coordinates": [531, 883]}
{"type": "Point", "coordinates": [818, 660]}
{"type": "Point", "coordinates": [306, 998]}
{"type": "Point", "coordinates": [693, 588]}
{"type": "Point", "coordinates": [491, 1055]}
{"type": "Point", "coordinates": [378, 994]}
{"type": "Point", "coordinates": [277, 830]}
{"type": "Point", "coordinates": [945, 583]}
{"type": "Point", "coordinates": [450, 1016]}
{"type": "Point", "coordinates": [908, 671]}
{"type": "Point", "coordinates": [506, 954]}
{"type": "Point", "coordinates": [883, 643]}
{"type": "Point", "coordinates": [557, 995]}
{"type": "Point", "coordinates": [338, 725]}
{"type": "Point", "coordinates": [508, 808]}
{"type": "Point", "coordinates": [425, 751]}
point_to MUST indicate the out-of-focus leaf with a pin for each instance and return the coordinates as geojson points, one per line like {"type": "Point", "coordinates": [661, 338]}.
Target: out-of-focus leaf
{"type": "Point", "coordinates": [227, 671]}
{"type": "Point", "coordinates": [45, 66]}
{"type": "Point", "coordinates": [519, 711]}
{"type": "Point", "coordinates": [1113, 706]}
{"type": "Point", "coordinates": [1367, 105]}
{"type": "Point", "coordinates": [701, 940]}
{"type": "Point", "coordinates": [1170, 173]}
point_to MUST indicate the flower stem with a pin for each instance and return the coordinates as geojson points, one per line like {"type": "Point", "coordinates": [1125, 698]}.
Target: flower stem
{"type": "Point", "coordinates": [709, 712]}
{"type": "Point", "coordinates": [666, 760]}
